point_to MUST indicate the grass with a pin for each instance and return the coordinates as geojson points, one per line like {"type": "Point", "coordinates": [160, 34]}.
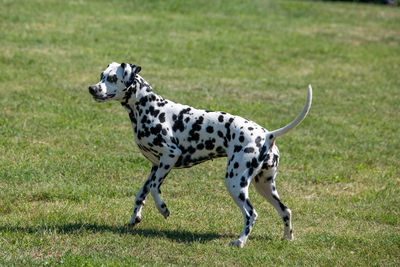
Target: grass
{"type": "Point", "coordinates": [69, 168]}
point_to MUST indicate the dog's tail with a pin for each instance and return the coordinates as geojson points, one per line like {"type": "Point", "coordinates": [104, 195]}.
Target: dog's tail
{"type": "Point", "coordinates": [277, 133]}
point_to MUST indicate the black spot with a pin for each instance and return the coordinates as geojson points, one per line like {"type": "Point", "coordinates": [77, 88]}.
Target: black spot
{"type": "Point", "coordinates": [210, 129]}
{"type": "Point", "coordinates": [166, 167]}
{"type": "Point", "coordinates": [156, 130]}
{"type": "Point", "coordinates": [249, 150]}
{"type": "Point", "coordinates": [281, 205]}
{"type": "Point", "coordinates": [237, 148]}
{"type": "Point", "coordinates": [241, 196]}
{"type": "Point", "coordinates": [191, 150]}
{"type": "Point", "coordinates": [258, 141]}
{"type": "Point", "coordinates": [143, 101]}
{"type": "Point", "coordinates": [251, 170]}
{"type": "Point", "coordinates": [221, 118]}
{"type": "Point", "coordinates": [241, 138]}
{"type": "Point", "coordinates": [220, 134]}
{"type": "Point", "coordinates": [236, 165]}
{"type": "Point", "coordinates": [178, 125]}
{"type": "Point", "coordinates": [254, 163]}
{"type": "Point", "coordinates": [250, 128]}
{"type": "Point", "coordinates": [225, 142]}
{"type": "Point", "coordinates": [193, 135]}
{"type": "Point", "coordinates": [158, 141]}
{"type": "Point", "coordinates": [228, 130]}
{"type": "Point", "coordinates": [154, 112]}
{"type": "Point", "coordinates": [209, 144]}
{"type": "Point", "coordinates": [162, 117]}
{"type": "Point", "coordinates": [247, 230]}
{"type": "Point", "coordinates": [200, 146]}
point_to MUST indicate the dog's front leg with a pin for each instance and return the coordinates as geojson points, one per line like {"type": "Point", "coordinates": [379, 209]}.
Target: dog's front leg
{"type": "Point", "coordinates": [166, 164]}
{"type": "Point", "coordinates": [140, 197]}
{"type": "Point", "coordinates": [153, 184]}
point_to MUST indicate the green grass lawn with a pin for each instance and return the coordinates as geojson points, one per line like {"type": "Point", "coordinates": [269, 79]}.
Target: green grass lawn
{"type": "Point", "coordinates": [69, 167]}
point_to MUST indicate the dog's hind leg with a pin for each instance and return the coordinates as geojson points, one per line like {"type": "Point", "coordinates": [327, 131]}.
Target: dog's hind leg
{"type": "Point", "coordinates": [264, 183]}
{"type": "Point", "coordinates": [238, 187]}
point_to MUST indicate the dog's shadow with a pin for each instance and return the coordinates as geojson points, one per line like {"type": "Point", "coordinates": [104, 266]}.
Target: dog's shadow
{"type": "Point", "coordinates": [180, 236]}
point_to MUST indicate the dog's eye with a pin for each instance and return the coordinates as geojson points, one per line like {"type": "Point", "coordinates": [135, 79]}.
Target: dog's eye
{"type": "Point", "coordinates": [112, 78]}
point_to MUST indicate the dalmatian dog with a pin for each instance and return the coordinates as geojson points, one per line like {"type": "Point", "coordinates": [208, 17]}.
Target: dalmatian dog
{"type": "Point", "coordinates": [171, 135]}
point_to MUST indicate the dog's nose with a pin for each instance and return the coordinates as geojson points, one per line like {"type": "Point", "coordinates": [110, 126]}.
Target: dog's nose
{"type": "Point", "coordinates": [92, 90]}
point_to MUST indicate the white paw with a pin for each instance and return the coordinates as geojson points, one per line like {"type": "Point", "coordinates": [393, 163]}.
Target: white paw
{"type": "Point", "coordinates": [287, 236]}
{"type": "Point", "coordinates": [237, 243]}
{"type": "Point", "coordinates": [135, 221]}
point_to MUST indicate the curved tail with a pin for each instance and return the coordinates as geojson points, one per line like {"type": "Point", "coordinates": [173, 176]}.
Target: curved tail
{"type": "Point", "coordinates": [277, 133]}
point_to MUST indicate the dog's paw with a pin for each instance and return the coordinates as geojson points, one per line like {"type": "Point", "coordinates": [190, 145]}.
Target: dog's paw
{"type": "Point", "coordinates": [135, 221]}
{"type": "Point", "coordinates": [165, 213]}
{"type": "Point", "coordinates": [236, 243]}
{"type": "Point", "coordinates": [163, 210]}
{"type": "Point", "coordinates": [288, 236]}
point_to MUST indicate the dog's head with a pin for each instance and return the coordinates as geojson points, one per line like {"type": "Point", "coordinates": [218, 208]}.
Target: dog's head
{"type": "Point", "coordinates": [114, 82]}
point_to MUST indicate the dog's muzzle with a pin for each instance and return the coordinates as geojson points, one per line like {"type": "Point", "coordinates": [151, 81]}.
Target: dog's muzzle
{"type": "Point", "coordinates": [95, 91]}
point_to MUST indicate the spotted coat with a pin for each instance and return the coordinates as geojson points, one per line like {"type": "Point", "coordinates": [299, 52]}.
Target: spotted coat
{"type": "Point", "coordinates": [172, 135]}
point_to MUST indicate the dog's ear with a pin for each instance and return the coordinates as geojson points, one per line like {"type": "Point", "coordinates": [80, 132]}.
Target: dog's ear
{"type": "Point", "coordinates": [136, 69]}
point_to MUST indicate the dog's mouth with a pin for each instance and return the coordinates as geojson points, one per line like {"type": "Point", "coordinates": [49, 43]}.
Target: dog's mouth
{"type": "Point", "coordinates": [103, 98]}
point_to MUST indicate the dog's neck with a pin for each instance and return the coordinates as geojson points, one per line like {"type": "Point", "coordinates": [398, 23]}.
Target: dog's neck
{"type": "Point", "coordinates": [137, 93]}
